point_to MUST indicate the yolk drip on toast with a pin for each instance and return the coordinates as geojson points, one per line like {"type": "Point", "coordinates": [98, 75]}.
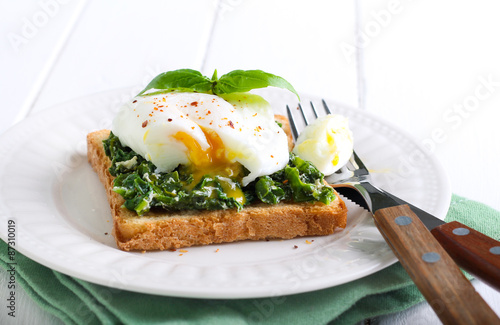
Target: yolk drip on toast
{"type": "Point", "coordinates": [213, 162]}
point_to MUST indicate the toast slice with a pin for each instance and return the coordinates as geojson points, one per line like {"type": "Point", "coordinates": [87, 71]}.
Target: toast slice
{"type": "Point", "coordinates": [161, 229]}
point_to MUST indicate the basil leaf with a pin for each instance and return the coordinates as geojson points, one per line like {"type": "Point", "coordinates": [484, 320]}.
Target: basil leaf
{"type": "Point", "coordinates": [182, 79]}
{"type": "Point", "coordinates": [214, 75]}
{"type": "Point", "coordinates": [246, 80]}
{"type": "Point", "coordinates": [188, 80]}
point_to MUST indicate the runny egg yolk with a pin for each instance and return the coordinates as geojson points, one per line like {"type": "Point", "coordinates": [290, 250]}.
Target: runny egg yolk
{"type": "Point", "coordinates": [213, 162]}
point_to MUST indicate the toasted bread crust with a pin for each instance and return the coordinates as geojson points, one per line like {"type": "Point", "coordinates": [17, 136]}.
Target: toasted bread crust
{"type": "Point", "coordinates": [161, 230]}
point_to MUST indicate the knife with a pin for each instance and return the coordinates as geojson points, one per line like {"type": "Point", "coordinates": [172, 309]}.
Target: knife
{"type": "Point", "coordinates": [406, 229]}
{"type": "Point", "coordinates": [475, 252]}
{"type": "Point", "coordinates": [432, 269]}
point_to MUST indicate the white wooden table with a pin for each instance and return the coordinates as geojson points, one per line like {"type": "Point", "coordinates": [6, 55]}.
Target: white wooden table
{"type": "Point", "coordinates": [432, 68]}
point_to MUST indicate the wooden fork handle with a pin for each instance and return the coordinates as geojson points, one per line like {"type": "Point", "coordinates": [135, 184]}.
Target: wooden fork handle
{"type": "Point", "coordinates": [449, 293]}
{"type": "Point", "coordinates": [472, 250]}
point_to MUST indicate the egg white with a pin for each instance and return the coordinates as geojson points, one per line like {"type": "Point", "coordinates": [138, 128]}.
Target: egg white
{"type": "Point", "coordinates": [327, 143]}
{"type": "Point", "coordinates": [244, 123]}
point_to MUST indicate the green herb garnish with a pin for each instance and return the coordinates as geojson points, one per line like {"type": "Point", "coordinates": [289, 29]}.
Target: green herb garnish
{"type": "Point", "coordinates": [189, 80]}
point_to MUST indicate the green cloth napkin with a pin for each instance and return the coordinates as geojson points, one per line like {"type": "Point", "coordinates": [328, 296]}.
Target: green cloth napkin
{"type": "Point", "coordinates": [390, 290]}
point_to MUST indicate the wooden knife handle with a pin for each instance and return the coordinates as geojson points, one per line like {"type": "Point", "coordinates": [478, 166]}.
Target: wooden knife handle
{"type": "Point", "coordinates": [472, 250]}
{"type": "Point", "coordinates": [449, 293]}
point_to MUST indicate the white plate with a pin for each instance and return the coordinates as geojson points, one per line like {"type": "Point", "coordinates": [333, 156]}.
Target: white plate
{"type": "Point", "coordinates": [63, 220]}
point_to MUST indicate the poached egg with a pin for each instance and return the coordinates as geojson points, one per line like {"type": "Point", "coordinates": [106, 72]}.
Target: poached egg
{"type": "Point", "coordinates": [327, 143]}
{"type": "Point", "coordinates": [232, 136]}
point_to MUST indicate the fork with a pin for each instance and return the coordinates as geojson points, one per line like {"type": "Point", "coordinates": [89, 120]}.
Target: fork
{"type": "Point", "coordinates": [431, 268]}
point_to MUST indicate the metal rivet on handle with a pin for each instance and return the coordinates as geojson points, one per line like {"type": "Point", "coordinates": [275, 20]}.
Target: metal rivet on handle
{"type": "Point", "coordinates": [461, 231]}
{"type": "Point", "coordinates": [403, 220]}
{"type": "Point", "coordinates": [431, 257]}
{"type": "Point", "coordinates": [495, 250]}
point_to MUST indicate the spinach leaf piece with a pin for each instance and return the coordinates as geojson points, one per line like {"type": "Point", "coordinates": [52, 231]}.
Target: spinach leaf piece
{"type": "Point", "coordinates": [268, 191]}
{"type": "Point", "coordinates": [136, 192]}
{"type": "Point", "coordinates": [299, 181]}
{"type": "Point", "coordinates": [306, 182]}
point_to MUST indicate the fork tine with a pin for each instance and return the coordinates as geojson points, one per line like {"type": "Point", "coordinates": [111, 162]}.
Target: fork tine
{"type": "Point", "coordinates": [293, 125]}
{"type": "Point", "coordinates": [327, 109]}
{"type": "Point", "coordinates": [303, 114]}
{"type": "Point", "coordinates": [314, 110]}
{"type": "Point", "coordinates": [358, 161]}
